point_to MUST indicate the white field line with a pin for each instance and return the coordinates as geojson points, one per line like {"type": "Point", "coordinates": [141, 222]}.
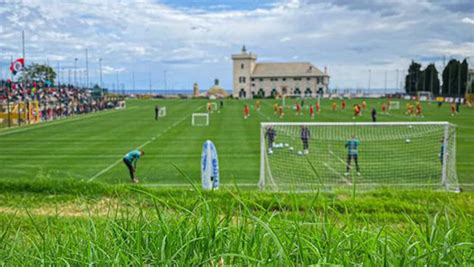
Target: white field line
{"type": "Point", "coordinates": [340, 175]}
{"type": "Point", "coordinates": [60, 121]}
{"type": "Point", "coordinates": [189, 185]}
{"type": "Point", "coordinates": [139, 147]}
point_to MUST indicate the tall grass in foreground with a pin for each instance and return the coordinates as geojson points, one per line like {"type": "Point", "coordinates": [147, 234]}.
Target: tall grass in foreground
{"type": "Point", "coordinates": [234, 228]}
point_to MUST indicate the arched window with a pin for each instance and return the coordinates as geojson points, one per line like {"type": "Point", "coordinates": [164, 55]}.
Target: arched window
{"type": "Point", "coordinates": [242, 93]}
{"type": "Point", "coordinates": [274, 92]}
{"type": "Point", "coordinates": [308, 92]}
{"type": "Point", "coordinates": [297, 91]}
{"type": "Point", "coordinates": [261, 92]}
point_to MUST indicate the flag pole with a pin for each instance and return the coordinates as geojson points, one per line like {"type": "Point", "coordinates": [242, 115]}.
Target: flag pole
{"type": "Point", "coordinates": [23, 43]}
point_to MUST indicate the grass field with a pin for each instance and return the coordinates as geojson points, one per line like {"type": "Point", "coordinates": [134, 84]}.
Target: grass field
{"type": "Point", "coordinates": [91, 147]}
{"type": "Point", "coordinates": [66, 198]}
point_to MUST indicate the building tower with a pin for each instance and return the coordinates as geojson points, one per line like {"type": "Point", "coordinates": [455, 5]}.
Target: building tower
{"type": "Point", "coordinates": [244, 64]}
{"type": "Point", "coordinates": [196, 90]}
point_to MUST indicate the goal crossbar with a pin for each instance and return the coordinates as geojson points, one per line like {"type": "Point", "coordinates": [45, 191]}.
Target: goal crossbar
{"type": "Point", "coordinates": [265, 124]}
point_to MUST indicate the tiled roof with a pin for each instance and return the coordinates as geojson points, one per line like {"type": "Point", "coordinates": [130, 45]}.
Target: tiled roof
{"type": "Point", "coordinates": [297, 69]}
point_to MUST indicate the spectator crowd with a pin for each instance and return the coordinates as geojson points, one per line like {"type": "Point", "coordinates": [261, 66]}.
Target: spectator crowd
{"type": "Point", "coordinates": [55, 102]}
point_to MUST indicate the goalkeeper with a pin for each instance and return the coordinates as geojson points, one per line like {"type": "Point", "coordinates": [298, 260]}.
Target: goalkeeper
{"type": "Point", "coordinates": [270, 134]}
{"type": "Point", "coordinates": [352, 146]}
{"type": "Point", "coordinates": [130, 160]}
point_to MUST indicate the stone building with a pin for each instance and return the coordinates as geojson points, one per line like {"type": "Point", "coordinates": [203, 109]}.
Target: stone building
{"type": "Point", "coordinates": [271, 79]}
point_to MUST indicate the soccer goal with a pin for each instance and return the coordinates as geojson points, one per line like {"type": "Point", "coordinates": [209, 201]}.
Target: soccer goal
{"type": "Point", "coordinates": [424, 96]}
{"type": "Point", "coordinates": [162, 112]}
{"type": "Point", "coordinates": [394, 105]}
{"type": "Point", "coordinates": [286, 99]}
{"type": "Point", "coordinates": [366, 155]}
{"type": "Point", "coordinates": [200, 119]}
{"type": "Point", "coordinates": [213, 105]}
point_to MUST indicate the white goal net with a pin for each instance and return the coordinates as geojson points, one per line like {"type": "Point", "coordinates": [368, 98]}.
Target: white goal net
{"type": "Point", "coordinates": [200, 119]}
{"type": "Point", "coordinates": [304, 100]}
{"type": "Point", "coordinates": [424, 96]}
{"type": "Point", "coordinates": [324, 156]}
{"type": "Point", "coordinates": [211, 107]}
{"type": "Point", "coordinates": [162, 112]}
{"type": "Point", "coordinates": [394, 105]}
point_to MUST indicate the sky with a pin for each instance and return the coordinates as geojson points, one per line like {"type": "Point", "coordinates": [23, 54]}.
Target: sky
{"type": "Point", "coordinates": [175, 43]}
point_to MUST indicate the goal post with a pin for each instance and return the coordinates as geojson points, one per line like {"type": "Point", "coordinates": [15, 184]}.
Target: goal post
{"type": "Point", "coordinates": [299, 97]}
{"type": "Point", "coordinates": [212, 106]}
{"type": "Point", "coordinates": [394, 105]}
{"type": "Point", "coordinates": [424, 96]}
{"type": "Point", "coordinates": [327, 156]}
{"type": "Point", "coordinates": [200, 119]}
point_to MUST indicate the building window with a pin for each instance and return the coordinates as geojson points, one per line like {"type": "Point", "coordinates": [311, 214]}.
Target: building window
{"type": "Point", "coordinates": [318, 80]}
{"type": "Point", "coordinates": [242, 93]}
{"type": "Point", "coordinates": [296, 79]}
{"type": "Point", "coordinates": [308, 92]}
{"type": "Point", "coordinates": [284, 79]}
{"type": "Point", "coordinates": [253, 79]}
{"type": "Point", "coordinates": [274, 79]}
{"type": "Point", "coordinates": [274, 92]}
{"type": "Point", "coordinates": [242, 66]}
{"type": "Point", "coordinates": [308, 79]}
{"type": "Point", "coordinates": [261, 92]}
{"type": "Point", "coordinates": [253, 84]}
{"type": "Point", "coordinates": [244, 79]}
{"type": "Point", "coordinates": [261, 79]}
{"type": "Point", "coordinates": [297, 91]}
{"type": "Point", "coordinates": [241, 79]}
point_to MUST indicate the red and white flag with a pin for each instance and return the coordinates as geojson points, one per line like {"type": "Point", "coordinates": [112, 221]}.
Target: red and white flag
{"type": "Point", "coordinates": [17, 65]}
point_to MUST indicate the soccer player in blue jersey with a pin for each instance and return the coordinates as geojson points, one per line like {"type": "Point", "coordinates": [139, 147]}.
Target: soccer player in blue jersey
{"type": "Point", "coordinates": [352, 146]}
{"type": "Point", "coordinates": [130, 159]}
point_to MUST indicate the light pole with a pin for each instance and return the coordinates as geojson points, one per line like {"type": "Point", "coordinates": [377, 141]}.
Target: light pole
{"type": "Point", "coordinates": [397, 84]}
{"type": "Point", "coordinates": [149, 82]}
{"type": "Point", "coordinates": [75, 72]}
{"type": "Point", "coordinates": [370, 74]}
{"type": "Point", "coordinates": [100, 72]}
{"type": "Point", "coordinates": [164, 78]}
{"type": "Point", "coordinates": [117, 81]}
{"type": "Point", "coordinates": [87, 69]}
{"type": "Point", "coordinates": [133, 80]}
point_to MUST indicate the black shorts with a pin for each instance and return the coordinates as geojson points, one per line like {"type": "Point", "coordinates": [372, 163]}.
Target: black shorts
{"type": "Point", "coordinates": [354, 157]}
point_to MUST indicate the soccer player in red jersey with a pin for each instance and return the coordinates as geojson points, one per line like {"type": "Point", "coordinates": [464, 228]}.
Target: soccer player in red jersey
{"type": "Point", "coordinates": [246, 112]}
{"type": "Point", "coordinates": [298, 109]}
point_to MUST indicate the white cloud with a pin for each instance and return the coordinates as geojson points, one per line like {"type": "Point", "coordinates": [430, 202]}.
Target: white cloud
{"type": "Point", "coordinates": [468, 20]}
{"type": "Point", "coordinates": [348, 37]}
{"type": "Point", "coordinates": [443, 47]}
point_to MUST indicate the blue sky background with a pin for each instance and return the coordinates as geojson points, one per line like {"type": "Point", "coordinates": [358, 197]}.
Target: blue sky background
{"type": "Point", "coordinates": [192, 41]}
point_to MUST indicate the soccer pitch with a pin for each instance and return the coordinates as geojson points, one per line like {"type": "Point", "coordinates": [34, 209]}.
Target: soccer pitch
{"type": "Point", "coordinates": [91, 147]}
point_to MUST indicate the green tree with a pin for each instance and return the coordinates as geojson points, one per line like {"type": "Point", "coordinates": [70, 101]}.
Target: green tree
{"type": "Point", "coordinates": [413, 77]}
{"type": "Point", "coordinates": [455, 78]}
{"type": "Point", "coordinates": [38, 73]}
{"type": "Point", "coordinates": [463, 78]}
{"type": "Point", "coordinates": [429, 80]}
